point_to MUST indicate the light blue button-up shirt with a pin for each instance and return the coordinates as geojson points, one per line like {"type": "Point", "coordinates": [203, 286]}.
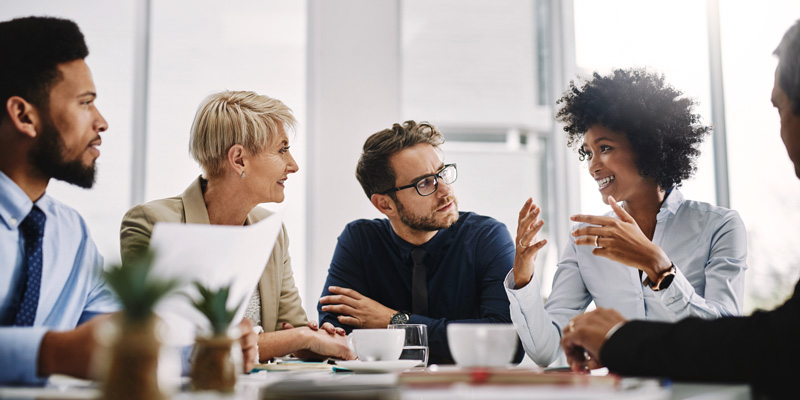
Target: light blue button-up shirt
{"type": "Point", "coordinates": [72, 288]}
{"type": "Point", "coordinates": [707, 244]}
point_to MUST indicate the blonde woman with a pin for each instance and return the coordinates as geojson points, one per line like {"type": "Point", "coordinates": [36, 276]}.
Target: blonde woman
{"type": "Point", "coordinates": [239, 139]}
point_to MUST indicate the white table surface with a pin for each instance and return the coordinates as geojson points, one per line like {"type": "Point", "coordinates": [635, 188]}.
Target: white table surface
{"type": "Point", "coordinates": [249, 387]}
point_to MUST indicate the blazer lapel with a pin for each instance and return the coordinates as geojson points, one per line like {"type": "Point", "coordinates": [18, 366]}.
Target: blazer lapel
{"type": "Point", "coordinates": [194, 207]}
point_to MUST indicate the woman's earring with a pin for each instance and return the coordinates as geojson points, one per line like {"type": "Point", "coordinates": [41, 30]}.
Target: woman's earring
{"type": "Point", "coordinates": [242, 174]}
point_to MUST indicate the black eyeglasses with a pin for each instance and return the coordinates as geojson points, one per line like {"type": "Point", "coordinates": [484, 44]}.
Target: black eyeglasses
{"type": "Point", "coordinates": [428, 184]}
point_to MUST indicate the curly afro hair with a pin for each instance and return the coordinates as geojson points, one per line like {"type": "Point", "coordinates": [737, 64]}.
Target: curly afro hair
{"type": "Point", "coordinates": [659, 123]}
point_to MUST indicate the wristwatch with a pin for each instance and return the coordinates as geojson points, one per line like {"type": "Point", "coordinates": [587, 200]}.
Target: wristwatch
{"type": "Point", "coordinates": [401, 317]}
{"type": "Point", "coordinates": [663, 281]}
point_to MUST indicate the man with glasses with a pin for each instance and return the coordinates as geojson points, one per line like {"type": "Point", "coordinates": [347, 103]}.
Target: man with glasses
{"type": "Point", "coordinates": [425, 263]}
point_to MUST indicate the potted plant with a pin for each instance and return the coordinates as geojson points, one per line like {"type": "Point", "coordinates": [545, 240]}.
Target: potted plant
{"type": "Point", "coordinates": [214, 363]}
{"type": "Point", "coordinates": [134, 352]}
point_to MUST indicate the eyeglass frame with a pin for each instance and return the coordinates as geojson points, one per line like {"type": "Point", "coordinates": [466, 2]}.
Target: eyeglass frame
{"type": "Point", "coordinates": [435, 177]}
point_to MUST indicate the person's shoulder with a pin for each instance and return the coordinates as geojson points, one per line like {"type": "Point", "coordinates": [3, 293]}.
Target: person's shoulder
{"type": "Point", "coordinates": [469, 221]}
{"type": "Point", "coordinates": [707, 210]}
{"type": "Point", "coordinates": [63, 213]}
{"type": "Point", "coordinates": [169, 209]}
{"type": "Point", "coordinates": [364, 223]}
{"type": "Point", "coordinates": [260, 213]}
{"type": "Point", "coordinates": [470, 218]}
{"type": "Point", "coordinates": [365, 228]}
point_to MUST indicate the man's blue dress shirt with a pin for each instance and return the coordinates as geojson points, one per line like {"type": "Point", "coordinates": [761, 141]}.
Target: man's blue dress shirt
{"type": "Point", "coordinates": [466, 266]}
{"type": "Point", "coordinates": [72, 288]}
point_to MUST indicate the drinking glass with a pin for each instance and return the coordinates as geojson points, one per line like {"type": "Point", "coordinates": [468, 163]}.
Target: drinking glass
{"type": "Point", "coordinates": [416, 343]}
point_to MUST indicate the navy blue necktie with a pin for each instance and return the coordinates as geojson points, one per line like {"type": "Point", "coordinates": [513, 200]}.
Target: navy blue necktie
{"type": "Point", "coordinates": [32, 230]}
{"type": "Point", "coordinates": [419, 283]}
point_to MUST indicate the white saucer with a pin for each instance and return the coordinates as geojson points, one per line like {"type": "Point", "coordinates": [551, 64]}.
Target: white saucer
{"type": "Point", "coordinates": [379, 366]}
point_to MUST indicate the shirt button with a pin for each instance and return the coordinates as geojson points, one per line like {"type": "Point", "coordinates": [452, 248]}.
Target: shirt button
{"type": "Point", "coordinates": [13, 221]}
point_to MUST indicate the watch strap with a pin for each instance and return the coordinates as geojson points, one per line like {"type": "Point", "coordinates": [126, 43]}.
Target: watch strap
{"type": "Point", "coordinates": [663, 282]}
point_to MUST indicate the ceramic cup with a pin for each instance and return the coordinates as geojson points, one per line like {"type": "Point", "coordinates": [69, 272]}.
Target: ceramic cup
{"type": "Point", "coordinates": [482, 345]}
{"type": "Point", "coordinates": [377, 344]}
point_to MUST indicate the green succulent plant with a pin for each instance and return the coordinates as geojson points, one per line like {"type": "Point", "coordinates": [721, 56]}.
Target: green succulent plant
{"type": "Point", "coordinates": [137, 292]}
{"type": "Point", "coordinates": [212, 304]}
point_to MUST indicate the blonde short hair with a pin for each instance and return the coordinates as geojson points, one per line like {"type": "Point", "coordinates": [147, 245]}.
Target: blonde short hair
{"type": "Point", "coordinates": [235, 117]}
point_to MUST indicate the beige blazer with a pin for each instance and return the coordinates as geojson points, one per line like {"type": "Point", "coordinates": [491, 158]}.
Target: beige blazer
{"type": "Point", "coordinates": [280, 300]}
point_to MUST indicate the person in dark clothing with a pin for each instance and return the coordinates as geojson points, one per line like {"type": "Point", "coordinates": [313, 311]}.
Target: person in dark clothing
{"type": "Point", "coordinates": [426, 263]}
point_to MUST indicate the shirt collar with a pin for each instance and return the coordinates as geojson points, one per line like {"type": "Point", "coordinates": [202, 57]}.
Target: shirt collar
{"type": "Point", "coordinates": [14, 203]}
{"type": "Point", "coordinates": [671, 204]}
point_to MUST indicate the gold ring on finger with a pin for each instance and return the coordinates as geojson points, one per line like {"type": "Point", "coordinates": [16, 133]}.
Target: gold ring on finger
{"type": "Point", "coordinates": [522, 245]}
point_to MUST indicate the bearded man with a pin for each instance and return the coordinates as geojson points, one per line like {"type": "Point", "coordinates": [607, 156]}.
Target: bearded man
{"type": "Point", "coordinates": [426, 262]}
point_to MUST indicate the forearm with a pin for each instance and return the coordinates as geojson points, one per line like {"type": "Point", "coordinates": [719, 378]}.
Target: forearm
{"type": "Point", "coordinates": [716, 288]}
{"type": "Point", "coordinates": [682, 299]}
{"type": "Point", "coordinates": [19, 355]}
{"type": "Point", "coordinates": [761, 348]}
{"type": "Point", "coordinates": [281, 343]}
{"type": "Point", "coordinates": [337, 278]}
{"type": "Point", "coordinates": [643, 348]}
{"type": "Point", "coordinates": [539, 335]}
{"type": "Point", "coordinates": [60, 353]}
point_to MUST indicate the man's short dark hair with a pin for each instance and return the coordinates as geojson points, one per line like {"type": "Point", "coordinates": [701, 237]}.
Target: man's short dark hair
{"type": "Point", "coordinates": [31, 49]}
{"type": "Point", "coordinates": [659, 122]}
{"type": "Point", "coordinates": [374, 172]}
{"type": "Point", "coordinates": [788, 52]}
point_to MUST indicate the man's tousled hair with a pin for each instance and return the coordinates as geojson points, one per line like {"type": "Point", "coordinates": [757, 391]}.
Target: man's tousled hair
{"type": "Point", "coordinates": [374, 171]}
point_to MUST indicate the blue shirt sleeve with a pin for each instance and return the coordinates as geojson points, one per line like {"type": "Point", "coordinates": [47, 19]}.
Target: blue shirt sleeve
{"type": "Point", "coordinates": [19, 350]}
{"type": "Point", "coordinates": [343, 272]}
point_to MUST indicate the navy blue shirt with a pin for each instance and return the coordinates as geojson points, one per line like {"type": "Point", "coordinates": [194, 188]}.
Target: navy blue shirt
{"type": "Point", "coordinates": [466, 265]}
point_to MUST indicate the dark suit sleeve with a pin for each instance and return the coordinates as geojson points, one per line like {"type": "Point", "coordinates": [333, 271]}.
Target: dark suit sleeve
{"type": "Point", "coordinates": [762, 349]}
{"type": "Point", "coordinates": [494, 251]}
{"type": "Point", "coordinates": [346, 271]}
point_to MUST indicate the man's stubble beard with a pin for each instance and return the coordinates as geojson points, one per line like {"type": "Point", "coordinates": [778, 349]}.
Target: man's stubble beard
{"type": "Point", "coordinates": [47, 155]}
{"type": "Point", "coordinates": [428, 222]}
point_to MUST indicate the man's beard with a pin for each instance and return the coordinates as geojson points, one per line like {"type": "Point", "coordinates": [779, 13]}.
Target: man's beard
{"type": "Point", "coordinates": [426, 223]}
{"type": "Point", "coordinates": [47, 155]}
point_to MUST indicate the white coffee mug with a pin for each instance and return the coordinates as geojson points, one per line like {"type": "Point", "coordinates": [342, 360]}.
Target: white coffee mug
{"type": "Point", "coordinates": [376, 344]}
{"type": "Point", "coordinates": [482, 345]}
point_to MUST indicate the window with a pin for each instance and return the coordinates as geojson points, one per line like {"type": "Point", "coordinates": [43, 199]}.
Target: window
{"type": "Point", "coordinates": [472, 69]}
{"type": "Point", "coordinates": [764, 189]}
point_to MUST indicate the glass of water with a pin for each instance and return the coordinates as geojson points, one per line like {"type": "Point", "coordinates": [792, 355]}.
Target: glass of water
{"type": "Point", "coordinates": [416, 344]}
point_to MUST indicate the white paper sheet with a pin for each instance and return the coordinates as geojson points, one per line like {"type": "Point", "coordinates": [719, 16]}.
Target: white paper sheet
{"type": "Point", "coordinates": [215, 256]}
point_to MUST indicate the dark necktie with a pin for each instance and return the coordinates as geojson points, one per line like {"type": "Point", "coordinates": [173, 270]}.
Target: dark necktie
{"type": "Point", "coordinates": [32, 229]}
{"type": "Point", "coordinates": [419, 283]}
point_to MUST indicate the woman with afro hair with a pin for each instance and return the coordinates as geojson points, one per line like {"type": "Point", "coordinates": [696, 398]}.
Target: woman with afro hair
{"type": "Point", "coordinates": [655, 255]}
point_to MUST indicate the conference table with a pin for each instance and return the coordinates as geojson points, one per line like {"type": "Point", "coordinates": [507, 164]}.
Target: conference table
{"type": "Point", "coordinates": [319, 382]}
